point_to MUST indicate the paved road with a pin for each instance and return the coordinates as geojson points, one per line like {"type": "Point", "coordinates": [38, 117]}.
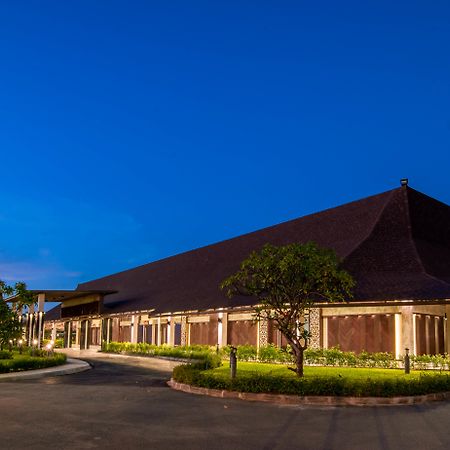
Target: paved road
{"type": "Point", "coordinates": [124, 404]}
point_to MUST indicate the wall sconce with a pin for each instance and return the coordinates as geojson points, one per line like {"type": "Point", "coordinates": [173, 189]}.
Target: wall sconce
{"type": "Point", "coordinates": [219, 319]}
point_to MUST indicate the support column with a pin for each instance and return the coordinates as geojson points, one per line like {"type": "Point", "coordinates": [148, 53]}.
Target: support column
{"type": "Point", "coordinates": [314, 328]}
{"type": "Point", "coordinates": [134, 329]}
{"type": "Point", "coordinates": [158, 331]}
{"type": "Point", "coordinates": [184, 337]}
{"type": "Point", "coordinates": [77, 333]}
{"type": "Point", "coordinates": [404, 331]}
{"type": "Point", "coordinates": [170, 331]}
{"type": "Point", "coordinates": [325, 332]}
{"type": "Point", "coordinates": [263, 331]}
{"type": "Point", "coordinates": [224, 342]}
{"type": "Point", "coordinates": [219, 329]}
{"type": "Point", "coordinates": [447, 329]}
{"type": "Point", "coordinates": [53, 331]}
{"type": "Point", "coordinates": [154, 333]}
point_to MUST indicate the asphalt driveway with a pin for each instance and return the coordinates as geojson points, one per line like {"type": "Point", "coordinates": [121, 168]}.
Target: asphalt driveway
{"type": "Point", "coordinates": [124, 403]}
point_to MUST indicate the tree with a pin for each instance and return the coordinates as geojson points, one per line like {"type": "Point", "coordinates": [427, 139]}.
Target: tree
{"type": "Point", "coordinates": [286, 282]}
{"type": "Point", "coordinates": [10, 326]}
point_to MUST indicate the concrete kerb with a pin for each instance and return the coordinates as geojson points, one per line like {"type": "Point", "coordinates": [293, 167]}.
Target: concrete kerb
{"type": "Point", "coordinates": [70, 367]}
{"type": "Point", "coordinates": [310, 400]}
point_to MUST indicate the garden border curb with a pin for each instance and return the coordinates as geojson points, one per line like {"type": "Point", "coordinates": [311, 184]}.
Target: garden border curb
{"type": "Point", "coordinates": [310, 400]}
{"type": "Point", "coordinates": [70, 367]}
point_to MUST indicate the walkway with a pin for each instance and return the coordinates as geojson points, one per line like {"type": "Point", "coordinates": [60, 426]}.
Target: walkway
{"type": "Point", "coordinates": [125, 403]}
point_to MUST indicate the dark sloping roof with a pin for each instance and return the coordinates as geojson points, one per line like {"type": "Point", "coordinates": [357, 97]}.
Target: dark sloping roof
{"type": "Point", "coordinates": [395, 244]}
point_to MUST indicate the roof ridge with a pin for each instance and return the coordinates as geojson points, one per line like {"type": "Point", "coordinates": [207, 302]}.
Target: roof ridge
{"type": "Point", "coordinates": [389, 193]}
{"type": "Point", "coordinates": [410, 234]}
{"type": "Point", "coordinates": [376, 221]}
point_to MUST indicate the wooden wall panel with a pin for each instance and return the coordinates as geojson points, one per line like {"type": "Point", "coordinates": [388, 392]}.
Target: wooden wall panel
{"type": "Point", "coordinates": [429, 334]}
{"type": "Point", "coordinates": [203, 333]}
{"type": "Point", "coordinates": [95, 336]}
{"type": "Point", "coordinates": [274, 336]}
{"type": "Point", "coordinates": [177, 334]}
{"type": "Point", "coordinates": [115, 330]}
{"type": "Point", "coordinates": [242, 332]}
{"type": "Point", "coordinates": [125, 333]}
{"type": "Point", "coordinates": [371, 333]}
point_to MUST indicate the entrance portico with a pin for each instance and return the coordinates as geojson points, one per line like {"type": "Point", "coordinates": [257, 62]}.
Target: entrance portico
{"type": "Point", "coordinates": [82, 309]}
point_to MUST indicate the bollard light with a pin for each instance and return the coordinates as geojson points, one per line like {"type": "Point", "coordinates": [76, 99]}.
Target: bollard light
{"type": "Point", "coordinates": [407, 361]}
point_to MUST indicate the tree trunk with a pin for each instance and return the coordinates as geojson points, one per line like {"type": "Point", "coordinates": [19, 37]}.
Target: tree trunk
{"type": "Point", "coordinates": [299, 361]}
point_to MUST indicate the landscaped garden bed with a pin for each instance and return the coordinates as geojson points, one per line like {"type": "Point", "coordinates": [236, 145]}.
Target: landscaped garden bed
{"type": "Point", "coordinates": [317, 381]}
{"type": "Point", "coordinates": [17, 362]}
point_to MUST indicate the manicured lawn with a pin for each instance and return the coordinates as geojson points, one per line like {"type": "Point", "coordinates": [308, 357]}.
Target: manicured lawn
{"type": "Point", "coordinates": [334, 381]}
{"type": "Point", "coordinates": [249, 369]}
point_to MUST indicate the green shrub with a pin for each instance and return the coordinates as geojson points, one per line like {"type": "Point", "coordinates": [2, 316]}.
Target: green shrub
{"type": "Point", "coordinates": [26, 362]}
{"type": "Point", "coordinates": [204, 356]}
{"type": "Point", "coordinates": [4, 354]}
{"type": "Point", "coordinates": [321, 386]}
{"type": "Point", "coordinates": [272, 353]}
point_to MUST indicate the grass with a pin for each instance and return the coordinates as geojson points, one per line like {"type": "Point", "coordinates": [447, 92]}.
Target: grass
{"type": "Point", "coordinates": [334, 381]}
{"type": "Point", "coordinates": [249, 369]}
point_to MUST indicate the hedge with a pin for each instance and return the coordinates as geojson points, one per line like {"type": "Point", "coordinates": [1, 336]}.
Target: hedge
{"type": "Point", "coordinates": [273, 354]}
{"type": "Point", "coordinates": [202, 354]}
{"type": "Point", "coordinates": [26, 362]}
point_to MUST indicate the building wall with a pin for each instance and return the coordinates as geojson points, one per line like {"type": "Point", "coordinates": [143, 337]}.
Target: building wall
{"type": "Point", "coordinates": [421, 329]}
{"type": "Point", "coordinates": [371, 333]}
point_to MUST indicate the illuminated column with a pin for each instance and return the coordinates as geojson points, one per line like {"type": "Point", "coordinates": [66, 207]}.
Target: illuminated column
{"type": "Point", "coordinates": [224, 341]}
{"type": "Point", "coordinates": [53, 331]}
{"type": "Point", "coordinates": [154, 334]}
{"type": "Point", "coordinates": [184, 331]}
{"type": "Point", "coordinates": [263, 331]}
{"type": "Point", "coordinates": [134, 328]}
{"type": "Point", "coordinates": [219, 329]}
{"type": "Point", "coordinates": [40, 331]}
{"type": "Point", "coordinates": [404, 332]}
{"type": "Point", "coordinates": [158, 331]}
{"type": "Point", "coordinates": [41, 301]}
{"type": "Point", "coordinates": [314, 327]}
{"type": "Point", "coordinates": [447, 329]}
{"type": "Point", "coordinates": [30, 328]}
{"type": "Point", "coordinates": [170, 329]}
{"type": "Point", "coordinates": [325, 332]}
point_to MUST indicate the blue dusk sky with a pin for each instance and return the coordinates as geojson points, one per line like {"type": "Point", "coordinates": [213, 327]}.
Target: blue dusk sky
{"type": "Point", "coordinates": [131, 131]}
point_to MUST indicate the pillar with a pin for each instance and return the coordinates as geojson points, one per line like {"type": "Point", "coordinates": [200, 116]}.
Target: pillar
{"type": "Point", "coordinates": [447, 329]}
{"type": "Point", "coordinates": [184, 337]}
{"type": "Point", "coordinates": [314, 328]}
{"type": "Point", "coordinates": [224, 341]}
{"type": "Point", "coordinates": [134, 329]}
{"type": "Point", "coordinates": [404, 331]}
{"type": "Point", "coordinates": [263, 332]}
{"type": "Point", "coordinates": [158, 331]}
{"type": "Point", "coordinates": [170, 331]}
{"type": "Point", "coordinates": [53, 331]}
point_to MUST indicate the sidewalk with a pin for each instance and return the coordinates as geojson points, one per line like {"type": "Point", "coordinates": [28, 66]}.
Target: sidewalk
{"type": "Point", "coordinates": [71, 366]}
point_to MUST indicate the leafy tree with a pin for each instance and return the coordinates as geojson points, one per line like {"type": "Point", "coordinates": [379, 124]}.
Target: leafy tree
{"type": "Point", "coordinates": [286, 282]}
{"type": "Point", "coordinates": [10, 327]}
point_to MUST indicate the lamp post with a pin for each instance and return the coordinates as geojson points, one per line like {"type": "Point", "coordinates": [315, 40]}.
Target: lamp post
{"type": "Point", "coordinates": [20, 342]}
{"type": "Point", "coordinates": [407, 361]}
{"type": "Point", "coordinates": [233, 362]}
